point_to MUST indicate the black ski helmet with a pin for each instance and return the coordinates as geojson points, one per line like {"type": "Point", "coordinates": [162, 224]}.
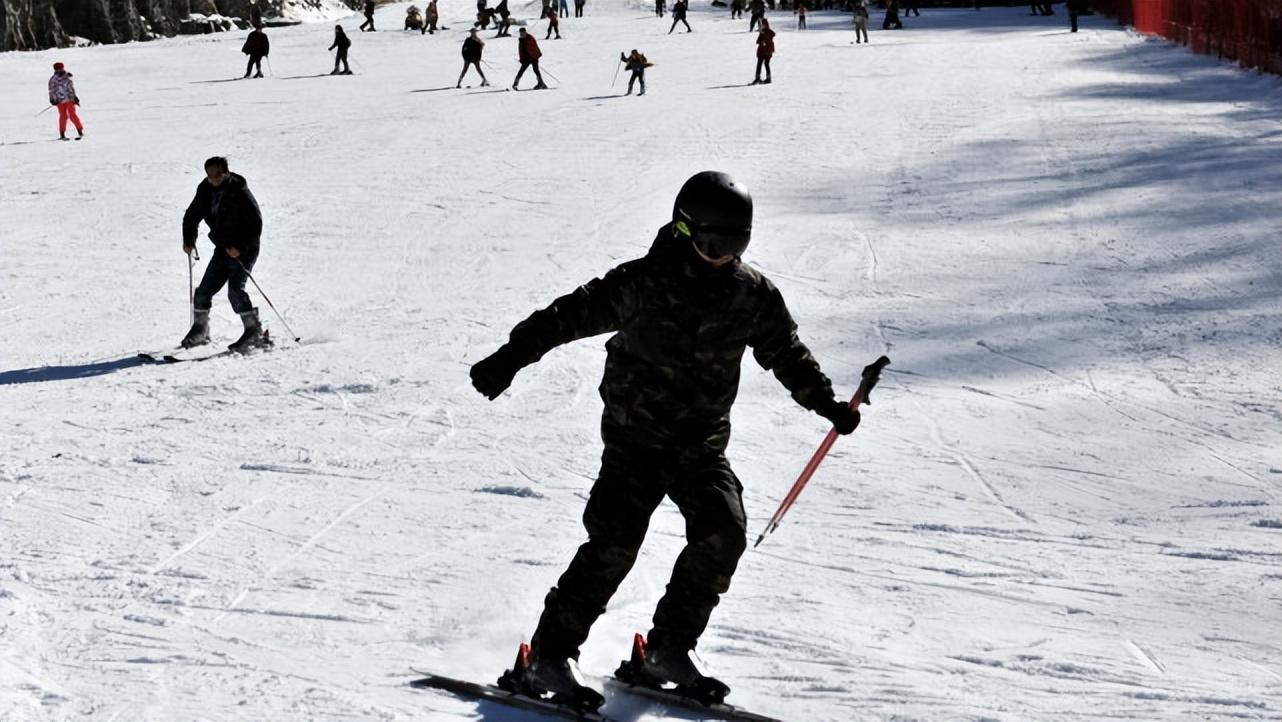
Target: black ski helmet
{"type": "Point", "coordinates": [714, 212]}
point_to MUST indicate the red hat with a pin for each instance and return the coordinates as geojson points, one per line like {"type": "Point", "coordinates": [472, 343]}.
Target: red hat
{"type": "Point", "coordinates": [58, 66]}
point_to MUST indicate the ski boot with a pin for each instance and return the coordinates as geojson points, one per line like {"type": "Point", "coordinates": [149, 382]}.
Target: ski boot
{"type": "Point", "coordinates": [554, 680]}
{"type": "Point", "coordinates": [254, 335]}
{"type": "Point", "coordinates": [656, 666]}
{"type": "Point", "coordinates": [199, 333]}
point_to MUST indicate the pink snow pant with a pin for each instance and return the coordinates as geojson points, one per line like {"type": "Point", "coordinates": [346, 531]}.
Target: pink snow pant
{"type": "Point", "coordinates": [67, 109]}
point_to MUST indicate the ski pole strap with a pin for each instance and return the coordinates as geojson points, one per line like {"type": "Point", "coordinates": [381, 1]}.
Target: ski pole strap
{"type": "Point", "coordinates": [871, 375]}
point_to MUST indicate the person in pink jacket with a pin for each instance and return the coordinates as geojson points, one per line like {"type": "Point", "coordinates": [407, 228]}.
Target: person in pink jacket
{"type": "Point", "coordinates": [62, 94]}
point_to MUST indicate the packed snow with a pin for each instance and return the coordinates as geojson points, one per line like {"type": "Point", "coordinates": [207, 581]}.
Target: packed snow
{"type": "Point", "coordinates": [1063, 503]}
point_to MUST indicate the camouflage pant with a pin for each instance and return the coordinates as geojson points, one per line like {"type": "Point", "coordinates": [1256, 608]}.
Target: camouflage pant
{"type": "Point", "coordinates": [632, 483]}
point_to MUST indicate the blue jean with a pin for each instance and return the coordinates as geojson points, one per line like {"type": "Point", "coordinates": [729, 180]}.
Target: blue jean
{"type": "Point", "coordinates": [234, 273]}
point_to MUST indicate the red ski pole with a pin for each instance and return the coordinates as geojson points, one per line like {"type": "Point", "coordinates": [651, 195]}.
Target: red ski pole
{"type": "Point", "coordinates": [871, 374]}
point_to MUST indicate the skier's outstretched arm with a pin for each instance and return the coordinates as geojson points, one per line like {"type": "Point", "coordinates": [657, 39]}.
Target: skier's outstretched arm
{"type": "Point", "coordinates": [777, 348]}
{"type": "Point", "coordinates": [599, 306]}
{"type": "Point", "coordinates": [193, 216]}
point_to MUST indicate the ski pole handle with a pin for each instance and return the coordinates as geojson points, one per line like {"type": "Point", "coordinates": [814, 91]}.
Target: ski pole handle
{"type": "Point", "coordinates": [870, 376]}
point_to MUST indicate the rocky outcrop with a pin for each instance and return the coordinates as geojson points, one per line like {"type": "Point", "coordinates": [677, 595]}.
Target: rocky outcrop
{"type": "Point", "coordinates": [35, 24]}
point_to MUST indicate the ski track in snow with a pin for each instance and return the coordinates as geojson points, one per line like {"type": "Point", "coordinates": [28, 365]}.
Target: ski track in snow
{"type": "Point", "coordinates": [1063, 503]}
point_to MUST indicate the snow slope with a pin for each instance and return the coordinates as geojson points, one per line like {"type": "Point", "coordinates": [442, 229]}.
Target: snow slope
{"type": "Point", "coordinates": [1063, 505]}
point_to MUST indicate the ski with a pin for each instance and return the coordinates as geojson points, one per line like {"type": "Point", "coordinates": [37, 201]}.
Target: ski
{"type": "Point", "coordinates": [493, 693]}
{"type": "Point", "coordinates": [198, 353]}
{"type": "Point", "coordinates": [705, 697]}
{"type": "Point", "coordinates": [669, 698]}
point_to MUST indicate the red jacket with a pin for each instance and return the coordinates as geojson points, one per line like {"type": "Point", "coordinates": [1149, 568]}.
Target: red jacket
{"type": "Point", "coordinates": [766, 43]}
{"type": "Point", "coordinates": [528, 49]}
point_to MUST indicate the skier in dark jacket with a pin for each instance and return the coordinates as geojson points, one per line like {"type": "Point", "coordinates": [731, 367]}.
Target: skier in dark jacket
{"type": "Point", "coordinates": [528, 53]}
{"type": "Point", "coordinates": [682, 317]}
{"type": "Point", "coordinates": [257, 47]}
{"type": "Point", "coordinates": [473, 46]}
{"type": "Point", "coordinates": [891, 20]}
{"type": "Point", "coordinates": [679, 9]}
{"type": "Point", "coordinates": [765, 51]}
{"type": "Point", "coordinates": [341, 43]}
{"type": "Point", "coordinates": [224, 203]}
{"type": "Point", "coordinates": [505, 20]}
{"type": "Point", "coordinates": [369, 16]}
{"type": "Point", "coordinates": [756, 13]}
{"type": "Point", "coordinates": [636, 63]}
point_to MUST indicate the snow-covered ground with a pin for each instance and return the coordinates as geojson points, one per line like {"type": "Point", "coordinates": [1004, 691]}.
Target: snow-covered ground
{"type": "Point", "coordinates": [1063, 505]}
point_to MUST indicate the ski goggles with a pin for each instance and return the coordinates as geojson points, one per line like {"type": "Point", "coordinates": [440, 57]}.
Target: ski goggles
{"type": "Point", "coordinates": [716, 242]}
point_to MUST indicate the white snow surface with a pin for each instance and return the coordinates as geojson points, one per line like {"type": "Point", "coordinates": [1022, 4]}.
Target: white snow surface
{"type": "Point", "coordinates": [1063, 504]}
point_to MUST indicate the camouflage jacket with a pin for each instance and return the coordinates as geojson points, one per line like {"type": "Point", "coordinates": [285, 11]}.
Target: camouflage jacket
{"type": "Point", "coordinates": [680, 330]}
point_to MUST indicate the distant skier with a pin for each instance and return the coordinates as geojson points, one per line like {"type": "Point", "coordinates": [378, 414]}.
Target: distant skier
{"type": "Point", "coordinates": [257, 47]}
{"type": "Point", "coordinates": [861, 21]}
{"type": "Point", "coordinates": [765, 51]}
{"type": "Point", "coordinates": [659, 6]}
{"type": "Point", "coordinates": [756, 13]}
{"type": "Point", "coordinates": [504, 22]}
{"type": "Point", "coordinates": [554, 24]}
{"type": "Point", "coordinates": [892, 16]}
{"type": "Point", "coordinates": [370, 6]}
{"type": "Point", "coordinates": [62, 95]}
{"type": "Point", "coordinates": [910, 8]}
{"type": "Point", "coordinates": [801, 16]}
{"type": "Point", "coordinates": [473, 46]}
{"type": "Point", "coordinates": [578, 8]}
{"type": "Point", "coordinates": [679, 9]}
{"type": "Point", "coordinates": [636, 63]}
{"type": "Point", "coordinates": [432, 16]}
{"type": "Point", "coordinates": [736, 9]}
{"type": "Point", "coordinates": [681, 317]}
{"type": "Point", "coordinates": [1075, 8]}
{"type": "Point", "coordinates": [341, 43]}
{"type": "Point", "coordinates": [224, 203]}
{"type": "Point", "coordinates": [528, 53]}
{"type": "Point", "coordinates": [564, 8]}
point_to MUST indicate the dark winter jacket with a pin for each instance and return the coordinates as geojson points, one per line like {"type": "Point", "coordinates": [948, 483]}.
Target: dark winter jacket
{"type": "Point", "coordinates": [680, 330]}
{"type": "Point", "coordinates": [370, 6]}
{"type": "Point", "coordinates": [766, 43]}
{"type": "Point", "coordinates": [231, 212]}
{"type": "Point", "coordinates": [635, 61]}
{"type": "Point", "coordinates": [679, 10]}
{"type": "Point", "coordinates": [472, 49]}
{"type": "Point", "coordinates": [341, 41]}
{"type": "Point", "coordinates": [256, 44]}
{"type": "Point", "coordinates": [528, 49]}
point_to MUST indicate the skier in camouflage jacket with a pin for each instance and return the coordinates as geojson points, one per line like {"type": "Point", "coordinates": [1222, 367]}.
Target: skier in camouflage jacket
{"type": "Point", "coordinates": [682, 317]}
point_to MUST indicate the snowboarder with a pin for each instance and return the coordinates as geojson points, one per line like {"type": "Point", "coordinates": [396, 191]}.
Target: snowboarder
{"type": "Point", "coordinates": [224, 203]}
{"type": "Point", "coordinates": [473, 46]}
{"type": "Point", "coordinates": [636, 63]}
{"type": "Point", "coordinates": [528, 53]}
{"type": "Point", "coordinates": [892, 16]}
{"type": "Point", "coordinates": [765, 51]}
{"type": "Point", "coordinates": [554, 24]}
{"type": "Point", "coordinates": [682, 317]}
{"type": "Point", "coordinates": [257, 47]}
{"type": "Point", "coordinates": [62, 95]}
{"type": "Point", "coordinates": [433, 16]}
{"type": "Point", "coordinates": [342, 43]}
{"type": "Point", "coordinates": [679, 9]}
{"type": "Point", "coordinates": [369, 16]}
{"type": "Point", "coordinates": [861, 21]}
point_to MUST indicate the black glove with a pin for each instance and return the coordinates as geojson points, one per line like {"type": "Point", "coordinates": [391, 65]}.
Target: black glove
{"type": "Point", "coordinates": [844, 419]}
{"type": "Point", "coordinates": [76, 100]}
{"type": "Point", "coordinates": [52, 101]}
{"type": "Point", "coordinates": [494, 373]}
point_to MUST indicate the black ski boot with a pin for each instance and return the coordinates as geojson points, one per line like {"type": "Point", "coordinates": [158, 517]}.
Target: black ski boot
{"type": "Point", "coordinates": [199, 333]}
{"type": "Point", "coordinates": [254, 335]}
{"type": "Point", "coordinates": [557, 680]}
{"type": "Point", "coordinates": [659, 665]}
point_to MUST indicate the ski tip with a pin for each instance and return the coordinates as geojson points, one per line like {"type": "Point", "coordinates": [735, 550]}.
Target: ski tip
{"type": "Point", "coordinates": [759, 540]}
